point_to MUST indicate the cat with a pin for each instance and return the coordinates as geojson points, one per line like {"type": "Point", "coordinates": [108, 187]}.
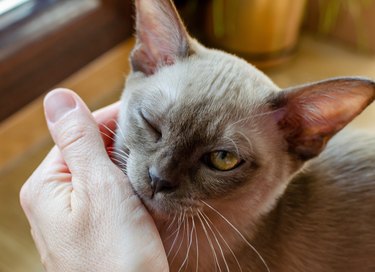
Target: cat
{"type": "Point", "coordinates": [238, 174]}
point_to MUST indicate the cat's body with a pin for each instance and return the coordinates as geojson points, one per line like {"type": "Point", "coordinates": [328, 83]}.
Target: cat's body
{"type": "Point", "coordinates": [229, 166]}
{"type": "Point", "coordinates": [325, 219]}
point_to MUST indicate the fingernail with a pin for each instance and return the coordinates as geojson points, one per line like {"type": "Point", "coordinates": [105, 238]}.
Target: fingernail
{"type": "Point", "coordinates": [57, 104]}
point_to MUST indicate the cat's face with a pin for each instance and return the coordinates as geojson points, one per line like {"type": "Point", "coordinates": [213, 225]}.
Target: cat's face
{"type": "Point", "coordinates": [206, 127]}
{"type": "Point", "coordinates": [202, 126]}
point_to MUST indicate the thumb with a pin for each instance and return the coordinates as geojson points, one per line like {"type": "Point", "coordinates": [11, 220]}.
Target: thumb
{"type": "Point", "coordinates": [74, 131]}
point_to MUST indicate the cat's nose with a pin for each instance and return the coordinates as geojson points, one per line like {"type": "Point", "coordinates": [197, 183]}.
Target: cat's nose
{"type": "Point", "coordinates": [160, 184]}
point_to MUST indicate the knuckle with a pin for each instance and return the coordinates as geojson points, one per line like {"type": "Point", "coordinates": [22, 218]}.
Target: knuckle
{"type": "Point", "coordinates": [25, 197]}
{"type": "Point", "coordinates": [30, 190]}
{"type": "Point", "coordinates": [73, 135]}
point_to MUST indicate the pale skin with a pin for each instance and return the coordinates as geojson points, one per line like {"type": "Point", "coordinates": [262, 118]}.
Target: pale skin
{"type": "Point", "coordinates": [83, 213]}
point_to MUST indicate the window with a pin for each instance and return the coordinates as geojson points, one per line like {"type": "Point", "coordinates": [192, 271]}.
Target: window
{"type": "Point", "coordinates": [44, 41]}
{"type": "Point", "coordinates": [9, 5]}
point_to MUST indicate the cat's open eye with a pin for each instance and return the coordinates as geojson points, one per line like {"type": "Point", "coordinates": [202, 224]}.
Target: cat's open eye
{"type": "Point", "coordinates": [223, 160]}
{"type": "Point", "coordinates": [148, 120]}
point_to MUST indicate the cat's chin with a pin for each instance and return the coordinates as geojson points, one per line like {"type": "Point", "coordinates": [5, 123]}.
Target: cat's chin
{"type": "Point", "coordinates": [161, 209]}
{"type": "Point", "coordinates": [157, 209]}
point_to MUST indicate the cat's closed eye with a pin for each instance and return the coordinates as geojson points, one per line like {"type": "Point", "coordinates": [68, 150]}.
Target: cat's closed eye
{"type": "Point", "coordinates": [222, 160]}
{"type": "Point", "coordinates": [151, 124]}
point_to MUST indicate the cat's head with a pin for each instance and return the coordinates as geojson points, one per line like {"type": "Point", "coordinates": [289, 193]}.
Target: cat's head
{"type": "Point", "coordinates": [200, 125]}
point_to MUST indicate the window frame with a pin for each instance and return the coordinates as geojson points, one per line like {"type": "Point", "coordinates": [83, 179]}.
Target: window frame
{"type": "Point", "coordinates": [42, 62]}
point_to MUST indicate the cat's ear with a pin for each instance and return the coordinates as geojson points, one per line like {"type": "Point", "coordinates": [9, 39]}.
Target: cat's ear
{"type": "Point", "coordinates": [161, 37]}
{"type": "Point", "coordinates": [310, 115]}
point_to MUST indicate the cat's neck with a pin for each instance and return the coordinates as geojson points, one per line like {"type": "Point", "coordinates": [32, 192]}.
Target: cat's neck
{"type": "Point", "coordinates": [223, 240]}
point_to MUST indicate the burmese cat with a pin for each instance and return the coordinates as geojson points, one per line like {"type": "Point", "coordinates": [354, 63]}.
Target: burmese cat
{"type": "Point", "coordinates": [234, 170]}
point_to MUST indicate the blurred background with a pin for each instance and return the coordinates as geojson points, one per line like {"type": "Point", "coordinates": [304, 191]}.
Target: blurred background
{"type": "Point", "coordinates": [84, 45]}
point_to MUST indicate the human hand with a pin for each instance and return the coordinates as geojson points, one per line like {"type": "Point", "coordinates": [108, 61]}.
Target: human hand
{"type": "Point", "coordinates": [83, 213]}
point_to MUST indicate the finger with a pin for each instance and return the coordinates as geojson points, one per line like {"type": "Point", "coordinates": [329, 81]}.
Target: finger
{"type": "Point", "coordinates": [74, 131]}
{"type": "Point", "coordinates": [50, 181]}
{"type": "Point", "coordinates": [107, 113]}
{"type": "Point", "coordinates": [53, 168]}
{"type": "Point", "coordinates": [46, 169]}
{"type": "Point", "coordinates": [106, 120]}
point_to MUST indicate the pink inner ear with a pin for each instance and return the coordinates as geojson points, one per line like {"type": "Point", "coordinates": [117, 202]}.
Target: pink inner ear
{"type": "Point", "coordinates": [328, 109]}
{"type": "Point", "coordinates": [312, 114]}
{"type": "Point", "coordinates": [161, 36]}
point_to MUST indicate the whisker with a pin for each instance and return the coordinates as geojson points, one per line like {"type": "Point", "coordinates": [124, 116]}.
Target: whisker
{"type": "Point", "coordinates": [210, 243]}
{"type": "Point", "coordinates": [247, 139]}
{"type": "Point", "coordinates": [106, 135]}
{"type": "Point", "coordinates": [196, 243]}
{"type": "Point", "coordinates": [217, 241]}
{"type": "Point", "coordinates": [196, 239]}
{"type": "Point", "coordinates": [115, 134]}
{"type": "Point", "coordinates": [119, 163]}
{"type": "Point", "coordinates": [119, 152]}
{"type": "Point", "coordinates": [107, 128]}
{"type": "Point", "coordinates": [119, 129]}
{"type": "Point", "coordinates": [234, 144]}
{"type": "Point", "coordinates": [117, 160]}
{"type": "Point", "coordinates": [170, 224]}
{"type": "Point", "coordinates": [119, 155]}
{"type": "Point", "coordinates": [177, 231]}
{"type": "Point", "coordinates": [185, 261]}
{"type": "Point", "coordinates": [252, 116]}
{"type": "Point", "coordinates": [225, 242]}
{"type": "Point", "coordinates": [182, 238]}
{"type": "Point", "coordinates": [239, 233]}
{"type": "Point", "coordinates": [174, 232]}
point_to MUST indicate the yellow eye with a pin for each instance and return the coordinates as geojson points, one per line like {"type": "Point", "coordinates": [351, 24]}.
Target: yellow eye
{"type": "Point", "coordinates": [223, 160]}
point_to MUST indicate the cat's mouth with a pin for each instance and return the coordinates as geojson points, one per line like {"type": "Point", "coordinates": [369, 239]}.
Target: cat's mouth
{"type": "Point", "coordinates": [161, 206]}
